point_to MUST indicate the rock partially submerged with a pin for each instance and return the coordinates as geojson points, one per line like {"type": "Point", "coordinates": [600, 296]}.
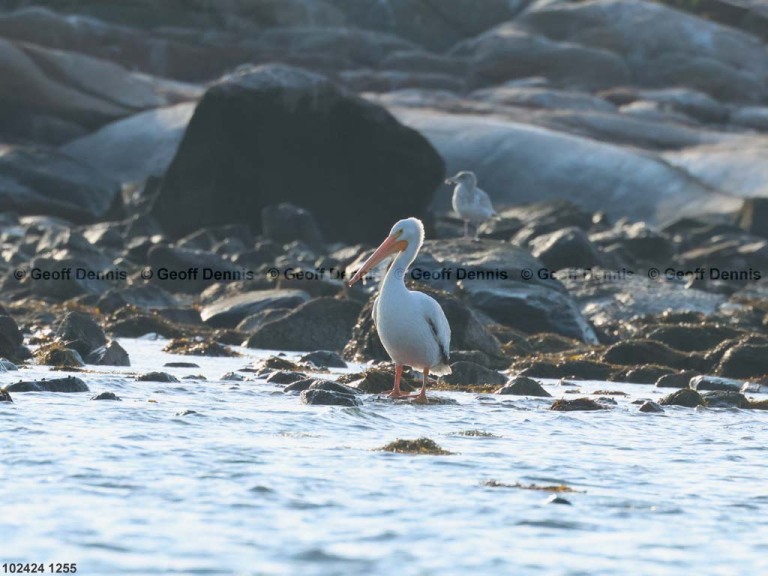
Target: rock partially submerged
{"type": "Point", "coordinates": [68, 384]}
{"type": "Point", "coordinates": [419, 446]}
{"type": "Point", "coordinates": [524, 386]}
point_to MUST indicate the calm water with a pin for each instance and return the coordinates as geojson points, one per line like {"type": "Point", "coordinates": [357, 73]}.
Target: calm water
{"type": "Point", "coordinates": [256, 483]}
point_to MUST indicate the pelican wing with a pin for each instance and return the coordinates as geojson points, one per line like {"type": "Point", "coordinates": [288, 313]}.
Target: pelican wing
{"type": "Point", "coordinates": [438, 324]}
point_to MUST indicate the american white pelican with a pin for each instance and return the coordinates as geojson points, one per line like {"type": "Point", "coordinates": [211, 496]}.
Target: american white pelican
{"type": "Point", "coordinates": [411, 325]}
{"type": "Point", "coordinates": [469, 202]}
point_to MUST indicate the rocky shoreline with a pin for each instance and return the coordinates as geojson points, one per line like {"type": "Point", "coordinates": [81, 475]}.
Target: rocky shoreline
{"type": "Point", "coordinates": [214, 176]}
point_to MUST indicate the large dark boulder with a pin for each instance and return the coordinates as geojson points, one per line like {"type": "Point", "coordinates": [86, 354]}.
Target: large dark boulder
{"type": "Point", "coordinates": [271, 134]}
{"type": "Point", "coordinates": [81, 332]}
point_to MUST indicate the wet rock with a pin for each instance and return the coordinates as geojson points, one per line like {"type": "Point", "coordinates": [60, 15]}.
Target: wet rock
{"type": "Point", "coordinates": [278, 363]}
{"type": "Point", "coordinates": [106, 396]}
{"type": "Point", "coordinates": [81, 332]}
{"type": "Point", "coordinates": [156, 377]}
{"type": "Point", "coordinates": [650, 406]}
{"type": "Point", "coordinates": [5, 396]}
{"type": "Point", "coordinates": [144, 296]}
{"type": "Point", "coordinates": [714, 383]}
{"type": "Point", "coordinates": [332, 386]}
{"type": "Point", "coordinates": [317, 324]}
{"type": "Point", "coordinates": [285, 377]}
{"type": "Point", "coordinates": [744, 361]}
{"type": "Point", "coordinates": [329, 398]}
{"type": "Point", "coordinates": [181, 365]}
{"type": "Point", "coordinates": [11, 338]}
{"type": "Point", "coordinates": [7, 366]}
{"type": "Point", "coordinates": [683, 397]}
{"type": "Point", "coordinates": [284, 223]}
{"type": "Point", "coordinates": [566, 248]}
{"type": "Point", "coordinates": [324, 359]}
{"type": "Point", "coordinates": [676, 380]}
{"type": "Point", "coordinates": [299, 385]}
{"type": "Point", "coordinates": [110, 355]}
{"type": "Point", "coordinates": [379, 381]}
{"type": "Point", "coordinates": [563, 405]}
{"type": "Point", "coordinates": [646, 352]}
{"type": "Point", "coordinates": [189, 271]}
{"type": "Point", "coordinates": [523, 386]}
{"type": "Point", "coordinates": [229, 312]}
{"type": "Point", "coordinates": [471, 374]}
{"type": "Point", "coordinates": [41, 181]}
{"type": "Point", "coordinates": [55, 354]}
{"type": "Point", "coordinates": [232, 377]}
{"type": "Point", "coordinates": [130, 323]}
{"type": "Point", "coordinates": [554, 499]}
{"type": "Point", "coordinates": [199, 347]}
{"type": "Point", "coordinates": [692, 337]}
{"type": "Point", "coordinates": [418, 446]}
{"type": "Point", "coordinates": [725, 399]}
{"type": "Point", "coordinates": [68, 384]}
{"type": "Point", "coordinates": [255, 108]}
{"type": "Point", "coordinates": [639, 241]}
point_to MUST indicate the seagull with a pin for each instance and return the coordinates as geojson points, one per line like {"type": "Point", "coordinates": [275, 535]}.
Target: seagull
{"type": "Point", "coordinates": [469, 201]}
{"type": "Point", "coordinates": [411, 325]}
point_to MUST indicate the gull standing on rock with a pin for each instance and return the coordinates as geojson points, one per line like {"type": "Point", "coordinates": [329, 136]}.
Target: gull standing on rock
{"type": "Point", "coordinates": [411, 325]}
{"type": "Point", "coordinates": [469, 201]}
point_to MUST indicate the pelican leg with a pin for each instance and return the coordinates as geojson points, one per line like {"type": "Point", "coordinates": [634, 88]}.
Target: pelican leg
{"type": "Point", "coordinates": [421, 397]}
{"type": "Point", "coordinates": [396, 393]}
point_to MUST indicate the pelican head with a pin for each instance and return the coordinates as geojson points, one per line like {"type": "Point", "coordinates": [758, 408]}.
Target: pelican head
{"type": "Point", "coordinates": [406, 233]}
{"type": "Point", "coordinates": [463, 177]}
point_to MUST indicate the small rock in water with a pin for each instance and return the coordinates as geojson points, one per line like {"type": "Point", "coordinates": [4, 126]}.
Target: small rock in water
{"type": "Point", "coordinates": [285, 377]}
{"type": "Point", "coordinates": [524, 386]}
{"type": "Point", "coordinates": [651, 406]}
{"type": "Point", "coordinates": [324, 359]}
{"type": "Point", "coordinates": [300, 385]}
{"type": "Point", "coordinates": [106, 396]}
{"type": "Point", "coordinates": [197, 347]}
{"type": "Point", "coordinates": [58, 356]}
{"type": "Point", "coordinates": [418, 446]}
{"type": "Point", "coordinates": [110, 355]}
{"type": "Point", "coordinates": [683, 397]}
{"type": "Point", "coordinates": [725, 399]}
{"type": "Point", "coordinates": [186, 412]}
{"type": "Point", "coordinates": [715, 383]}
{"type": "Point", "coordinates": [465, 373]}
{"type": "Point", "coordinates": [277, 363]}
{"type": "Point", "coordinates": [5, 396]}
{"type": "Point", "coordinates": [157, 377]}
{"type": "Point", "coordinates": [554, 499]}
{"type": "Point", "coordinates": [331, 386]}
{"type": "Point", "coordinates": [329, 398]}
{"type": "Point", "coordinates": [69, 384]}
{"type": "Point", "coordinates": [181, 365]}
{"type": "Point", "coordinates": [564, 405]}
{"type": "Point", "coordinates": [81, 332]}
{"type": "Point", "coordinates": [233, 377]}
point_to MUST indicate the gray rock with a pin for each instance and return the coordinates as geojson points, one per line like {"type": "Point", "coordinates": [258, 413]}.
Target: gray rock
{"type": "Point", "coordinates": [650, 406]}
{"type": "Point", "coordinates": [329, 398]}
{"type": "Point", "coordinates": [317, 324]}
{"type": "Point", "coordinates": [524, 386]}
{"type": "Point", "coordinates": [299, 385]}
{"type": "Point", "coordinates": [107, 396]}
{"type": "Point", "coordinates": [255, 109]}
{"type": "Point", "coordinates": [754, 117]}
{"type": "Point", "coordinates": [683, 397]}
{"type": "Point", "coordinates": [82, 333]}
{"type": "Point", "coordinates": [577, 404]}
{"type": "Point", "coordinates": [40, 181]}
{"type": "Point", "coordinates": [725, 399]}
{"type": "Point", "coordinates": [284, 223]}
{"type": "Point", "coordinates": [744, 361]}
{"type": "Point", "coordinates": [68, 384]}
{"type": "Point", "coordinates": [715, 383]}
{"type": "Point", "coordinates": [156, 377]}
{"type": "Point", "coordinates": [324, 359]}
{"type": "Point", "coordinates": [250, 324]}
{"type": "Point", "coordinates": [110, 355]}
{"type": "Point", "coordinates": [229, 312]}
{"type": "Point", "coordinates": [7, 366]}
{"type": "Point", "coordinates": [471, 374]}
{"type": "Point", "coordinates": [331, 386]}
{"type": "Point", "coordinates": [189, 271]}
{"type": "Point", "coordinates": [284, 377]}
{"type": "Point", "coordinates": [566, 248]}
{"type": "Point", "coordinates": [144, 296]}
{"type": "Point", "coordinates": [676, 380]}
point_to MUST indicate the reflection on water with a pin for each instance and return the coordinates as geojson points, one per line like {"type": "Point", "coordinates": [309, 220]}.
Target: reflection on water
{"type": "Point", "coordinates": [253, 482]}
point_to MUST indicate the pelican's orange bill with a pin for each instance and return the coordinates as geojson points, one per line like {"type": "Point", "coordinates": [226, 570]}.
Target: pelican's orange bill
{"type": "Point", "coordinates": [391, 245]}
